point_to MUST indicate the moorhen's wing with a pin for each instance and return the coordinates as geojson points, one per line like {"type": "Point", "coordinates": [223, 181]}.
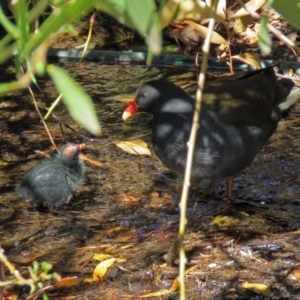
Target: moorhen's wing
{"type": "Point", "coordinates": [244, 101]}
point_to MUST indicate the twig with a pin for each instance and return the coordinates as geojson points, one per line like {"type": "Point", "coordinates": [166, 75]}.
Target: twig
{"type": "Point", "coordinates": [41, 117]}
{"type": "Point", "coordinates": [228, 39]}
{"type": "Point", "coordinates": [191, 147]}
{"type": "Point", "coordinates": [20, 280]}
{"type": "Point", "coordinates": [84, 138]}
{"type": "Point", "coordinates": [275, 31]}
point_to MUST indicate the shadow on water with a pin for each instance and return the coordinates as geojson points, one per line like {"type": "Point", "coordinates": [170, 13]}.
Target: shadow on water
{"type": "Point", "coordinates": [128, 207]}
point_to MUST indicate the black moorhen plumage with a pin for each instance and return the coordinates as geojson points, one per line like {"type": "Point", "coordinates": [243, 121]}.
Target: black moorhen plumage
{"type": "Point", "coordinates": [239, 114]}
{"type": "Point", "coordinates": [52, 182]}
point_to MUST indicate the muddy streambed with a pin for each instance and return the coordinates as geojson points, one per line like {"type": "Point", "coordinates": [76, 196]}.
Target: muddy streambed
{"type": "Point", "coordinates": [128, 206]}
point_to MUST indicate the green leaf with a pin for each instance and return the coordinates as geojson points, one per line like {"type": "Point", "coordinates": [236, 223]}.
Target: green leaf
{"type": "Point", "coordinates": [8, 25]}
{"type": "Point", "coordinates": [21, 14]}
{"type": "Point", "coordinates": [154, 38]}
{"type": "Point", "coordinates": [46, 267]}
{"type": "Point", "coordinates": [265, 42]}
{"type": "Point", "coordinates": [10, 87]}
{"type": "Point", "coordinates": [289, 9]}
{"type": "Point", "coordinates": [37, 10]}
{"type": "Point", "coordinates": [117, 9]}
{"type": "Point", "coordinates": [6, 53]}
{"type": "Point", "coordinates": [141, 14]}
{"type": "Point", "coordinates": [66, 13]}
{"type": "Point", "coordinates": [79, 104]}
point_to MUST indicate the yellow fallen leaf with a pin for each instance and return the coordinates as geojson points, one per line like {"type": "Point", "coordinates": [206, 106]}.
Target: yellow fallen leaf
{"type": "Point", "coordinates": [215, 37]}
{"type": "Point", "coordinates": [174, 287]}
{"type": "Point", "coordinates": [134, 147]}
{"type": "Point", "coordinates": [127, 246]}
{"type": "Point", "coordinates": [101, 269]}
{"type": "Point", "coordinates": [156, 294]}
{"type": "Point", "coordinates": [101, 256]}
{"type": "Point", "coordinates": [225, 221]}
{"type": "Point", "coordinates": [258, 288]}
{"type": "Point", "coordinates": [178, 10]}
{"type": "Point", "coordinates": [176, 284]}
{"type": "Point", "coordinates": [240, 25]}
{"type": "Point", "coordinates": [221, 8]}
{"type": "Point", "coordinates": [251, 5]}
{"type": "Point", "coordinates": [251, 59]}
{"type": "Point", "coordinates": [120, 260]}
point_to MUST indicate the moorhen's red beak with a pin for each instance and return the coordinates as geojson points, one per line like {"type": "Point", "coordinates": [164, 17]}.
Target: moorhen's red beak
{"type": "Point", "coordinates": [81, 147]}
{"type": "Point", "coordinates": [130, 110]}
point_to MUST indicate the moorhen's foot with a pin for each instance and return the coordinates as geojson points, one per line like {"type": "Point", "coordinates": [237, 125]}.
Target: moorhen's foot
{"type": "Point", "coordinates": [228, 201]}
{"type": "Point", "coordinates": [52, 182]}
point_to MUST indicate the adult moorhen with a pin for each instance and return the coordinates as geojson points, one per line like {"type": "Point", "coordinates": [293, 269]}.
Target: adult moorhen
{"type": "Point", "coordinates": [239, 114]}
{"type": "Point", "coordinates": [52, 182]}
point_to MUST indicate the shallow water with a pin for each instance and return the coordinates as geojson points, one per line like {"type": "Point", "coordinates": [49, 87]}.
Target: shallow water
{"type": "Point", "coordinates": [128, 207]}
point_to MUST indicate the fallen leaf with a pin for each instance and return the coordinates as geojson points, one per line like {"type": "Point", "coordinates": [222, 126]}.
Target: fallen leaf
{"type": "Point", "coordinates": [215, 37]}
{"type": "Point", "coordinates": [252, 5]}
{"type": "Point", "coordinates": [125, 235]}
{"type": "Point", "coordinates": [251, 59]}
{"type": "Point", "coordinates": [101, 269]}
{"type": "Point", "coordinates": [176, 285]}
{"type": "Point", "coordinates": [259, 288]}
{"type": "Point", "coordinates": [67, 281]}
{"type": "Point", "coordinates": [101, 256]}
{"type": "Point", "coordinates": [221, 8]}
{"type": "Point", "coordinates": [86, 257]}
{"type": "Point", "coordinates": [297, 274]}
{"type": "Point", "coordinates": [222, 51]}
{"type": "Point", "coordinates": [225, 221]}
{"type": "Point", "coordinates": [128, 200]}
{"type": "Point", "coordinates": [134, 147]}
{"type": "Point", "coordinates": [127, 246]}
{"type": "Point", "coordinates": [91, 161]}
{"type": "Point", "coordinates": [178, 10]}
{"type": "Point", "coordinates": [157, 294]}
{"type": "Point", "coordinates": [240, 25]}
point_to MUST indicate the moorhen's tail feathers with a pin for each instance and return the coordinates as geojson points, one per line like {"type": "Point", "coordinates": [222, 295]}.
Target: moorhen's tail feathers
{"type": "Point", "coordinates": [292, 98]}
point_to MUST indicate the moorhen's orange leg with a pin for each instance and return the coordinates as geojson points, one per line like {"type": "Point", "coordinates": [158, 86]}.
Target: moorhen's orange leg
{"type": "Point", "coordinates": [229, 198]}
{"type": "Point", "coordinates": [229, 184]}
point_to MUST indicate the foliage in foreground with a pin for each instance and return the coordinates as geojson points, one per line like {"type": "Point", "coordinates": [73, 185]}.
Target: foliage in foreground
{"type": "Point", "coordinates": [29, 42]}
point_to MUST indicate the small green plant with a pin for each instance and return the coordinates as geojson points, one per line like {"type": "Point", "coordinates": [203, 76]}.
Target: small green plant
{"type": "Point", "coordinates": [39, 274]}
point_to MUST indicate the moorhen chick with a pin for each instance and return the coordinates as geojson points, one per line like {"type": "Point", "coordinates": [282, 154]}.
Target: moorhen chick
{"type": "Point", "coordinates": [52, 182]}
{"type": "Point", "coordinates": [239, 114]}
